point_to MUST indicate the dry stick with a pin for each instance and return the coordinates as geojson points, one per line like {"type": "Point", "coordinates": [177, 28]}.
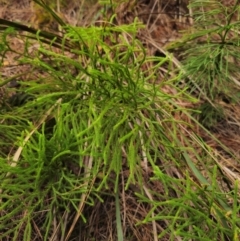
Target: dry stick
{"type": "Point", "coordinates": [155, 236]}
{"type": "Point", "coordinates": [145, 163]}
{"type": "Point", "coordinates": [65, 217]}
{"type": "Point", "coordinates": [55, 226]}
{"type": "Point", "coordinates": [124, 206]}
{"type": "Point", "coordinates": [80, 208]}
{"type": "Point", "coordinates": [85, 195]}
{"type": "Point", "coordinates": [144, 155]}
{"type": "Point", "coordinates": [88, 162]}
{"type": "Point", "coordinates": [19, 150]}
